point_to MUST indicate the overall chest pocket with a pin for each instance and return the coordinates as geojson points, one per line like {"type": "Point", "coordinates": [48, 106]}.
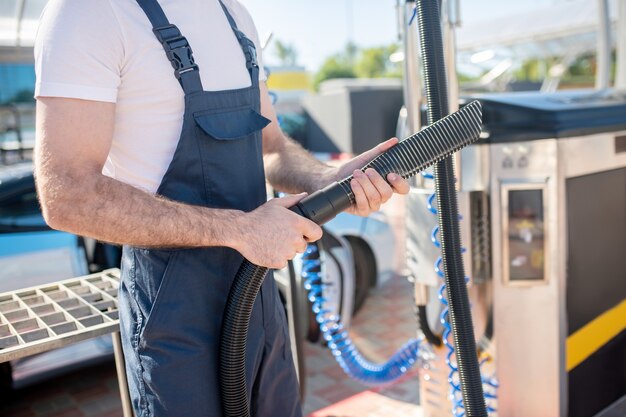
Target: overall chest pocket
{"type": "Point", "coordinates": [233, 124]}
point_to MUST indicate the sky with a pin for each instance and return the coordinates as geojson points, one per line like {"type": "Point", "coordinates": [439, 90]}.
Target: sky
{"type": "Point", "coordinates": [321, 28]}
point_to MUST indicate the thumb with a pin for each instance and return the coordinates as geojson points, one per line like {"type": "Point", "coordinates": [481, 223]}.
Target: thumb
{"type": "Point", "coordinates": [288, 201]}
{"type": "Point", "coordinates": [367, 156]}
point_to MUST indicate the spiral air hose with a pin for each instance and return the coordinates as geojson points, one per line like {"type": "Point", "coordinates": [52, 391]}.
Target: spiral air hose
{"type": "Point", "coordinates": [459, 313]}
{"type": "Point", "coordinates": [407, 158]}
{"type": "Point", "coordinates": [339, 342]}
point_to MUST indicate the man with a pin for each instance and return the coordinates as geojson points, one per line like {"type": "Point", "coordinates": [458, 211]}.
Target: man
{"type": "Point", "coordinates": [170, 165]}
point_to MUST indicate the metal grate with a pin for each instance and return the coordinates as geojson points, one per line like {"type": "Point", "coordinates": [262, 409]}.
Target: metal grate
{"type": "Point", "coordinates": [50, 316]}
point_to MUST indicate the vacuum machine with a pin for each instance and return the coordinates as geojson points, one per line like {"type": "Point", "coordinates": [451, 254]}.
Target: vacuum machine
{"type": "Point", "coordinates": [543, 207]}
{"type": "Point", "coordinates": [518, 255]}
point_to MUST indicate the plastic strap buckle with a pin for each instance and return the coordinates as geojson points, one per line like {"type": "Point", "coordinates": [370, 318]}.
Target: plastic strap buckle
{"type": "Point", "coordinates": [176, 48]}
{"type": "Point", "coordinates": [251, 55]}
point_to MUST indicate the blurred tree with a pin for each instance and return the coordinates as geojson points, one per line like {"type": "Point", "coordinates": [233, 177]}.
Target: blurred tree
{"type": "Point", "coordinates": [286, 53]}
{"type": "Point", "coordinates": [355, 63]}
{"type": "Point", "coordinates": [334, 67]}
{"type": "Point", "coordinates": [375, 63]}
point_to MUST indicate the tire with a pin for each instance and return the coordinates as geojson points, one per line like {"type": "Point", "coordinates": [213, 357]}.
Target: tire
{"type": "Point", "coordinates": [364, 270]}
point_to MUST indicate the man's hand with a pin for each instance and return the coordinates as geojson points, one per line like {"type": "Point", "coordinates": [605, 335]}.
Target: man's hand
{"type": "Point", "coordinates": [272, 234]}
{"type": "Point", "coordinates": [370, 188]}
{"type": "Point", "coordinates": [291, 169]}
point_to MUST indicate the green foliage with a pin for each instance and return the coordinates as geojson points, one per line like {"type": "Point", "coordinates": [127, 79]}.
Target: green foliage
{"type": "Point", "coordinates": [334, 67]}
{"type": "Point", "coordinates": [360, 63]}
{"type": "Point", "coordinates": [286, 53]}
{"type": "Point", "coordinates": [375, 63]}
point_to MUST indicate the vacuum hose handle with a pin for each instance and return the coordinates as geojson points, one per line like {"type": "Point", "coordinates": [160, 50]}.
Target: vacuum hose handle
{"type": "Point", "coordinates": [407, 158]}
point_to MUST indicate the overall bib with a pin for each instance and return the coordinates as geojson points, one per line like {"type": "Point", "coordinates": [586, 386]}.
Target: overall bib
{"type": "Point", "coordinates": [172, 301]}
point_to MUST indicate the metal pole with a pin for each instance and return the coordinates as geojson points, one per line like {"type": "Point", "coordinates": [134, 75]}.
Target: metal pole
{"type": "Point", "coordinates": [603, 68]}
{"type": "Point", "coordinates": [620, 70]}
{"type": "Point", "coordinates": [120, 365]}
{"type": "Point", "coordinates": [412, 79]}
{"type": "Point", "coordinates": [450, 22]}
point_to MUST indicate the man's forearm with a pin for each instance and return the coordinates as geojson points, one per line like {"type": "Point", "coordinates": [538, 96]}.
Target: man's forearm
{"type": "Point", "coordinates": [292, 169]}
{"type": "Point", "coordinates": [111, 211]}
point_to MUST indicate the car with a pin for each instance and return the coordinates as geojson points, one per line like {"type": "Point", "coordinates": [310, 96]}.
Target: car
{"type": "Point", "coordinates": [33, 254]}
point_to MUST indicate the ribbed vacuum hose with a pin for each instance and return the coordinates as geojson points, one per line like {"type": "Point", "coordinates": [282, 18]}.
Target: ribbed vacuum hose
{"type": "Point", "coordinates": [459, 314]}
{"type": "Point", "coordinates": [408, 157]}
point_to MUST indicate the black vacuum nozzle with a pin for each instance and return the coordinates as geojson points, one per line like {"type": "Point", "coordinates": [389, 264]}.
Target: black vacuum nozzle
{"type": "Point", "coordinates": [407, 158]}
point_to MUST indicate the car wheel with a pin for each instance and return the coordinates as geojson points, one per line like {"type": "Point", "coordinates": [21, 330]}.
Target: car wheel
{"type": "Point", "coordinates": [364, 270]}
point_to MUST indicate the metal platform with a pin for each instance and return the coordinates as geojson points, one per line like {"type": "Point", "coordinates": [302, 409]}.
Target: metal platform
{"type": "Point", "coordinates": [37, 319]}
{"type": "Point", "coordinates": [45, 317]}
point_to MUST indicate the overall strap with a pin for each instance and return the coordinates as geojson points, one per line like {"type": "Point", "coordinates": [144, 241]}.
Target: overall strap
{"type": "Point", "coordinates": [176, 47]}
{"type": "Point", "coordinates": [247, 46]}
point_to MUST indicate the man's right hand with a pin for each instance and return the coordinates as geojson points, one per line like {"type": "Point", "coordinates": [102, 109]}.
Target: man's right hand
{"type": "Point", "coordinates": [273, 234]}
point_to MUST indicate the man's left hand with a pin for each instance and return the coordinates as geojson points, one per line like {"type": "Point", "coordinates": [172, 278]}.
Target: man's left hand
{"type": "Point", "coordinates": [370, 188]}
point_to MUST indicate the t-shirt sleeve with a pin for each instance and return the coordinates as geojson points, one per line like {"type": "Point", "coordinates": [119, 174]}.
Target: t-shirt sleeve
{"type": "Point", "coordinates": [78, 51]}
{"type": "Point", "coordinates": [247, 26]}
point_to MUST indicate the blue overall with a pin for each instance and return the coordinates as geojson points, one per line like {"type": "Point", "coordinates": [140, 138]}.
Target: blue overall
{"type": "Point", "coordinates": [172, 301]}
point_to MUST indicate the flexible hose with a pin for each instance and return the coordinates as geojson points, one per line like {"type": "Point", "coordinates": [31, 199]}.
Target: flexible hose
{"type": "Point", "coordinates": [490, 385]}
{"type": "Point", "coordinates": [343, 349]}
{"type": "Point", "coordinates": [422, 320]}
{"type": "Point", "coordinates": [459, 314]}
{"type": "Point", "coordinates": [408, 157]}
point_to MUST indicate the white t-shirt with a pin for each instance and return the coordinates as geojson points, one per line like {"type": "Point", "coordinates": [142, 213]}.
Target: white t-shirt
{"type": "Point", "coordinates": [105, 50]}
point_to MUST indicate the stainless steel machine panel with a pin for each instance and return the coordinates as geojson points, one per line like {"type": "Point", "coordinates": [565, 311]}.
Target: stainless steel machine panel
{"type": "Point", "coordinates": [528, 317]}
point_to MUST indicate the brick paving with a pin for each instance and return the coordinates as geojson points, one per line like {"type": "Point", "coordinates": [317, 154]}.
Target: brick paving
{"type": "Point", "coordinates": [384, 323]}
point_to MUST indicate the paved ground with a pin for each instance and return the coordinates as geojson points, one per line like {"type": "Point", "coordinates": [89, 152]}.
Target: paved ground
{"type": "Point", "coordinates": [382, 326]}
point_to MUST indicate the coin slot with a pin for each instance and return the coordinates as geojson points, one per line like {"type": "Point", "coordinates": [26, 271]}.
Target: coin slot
{"type": "Point", "coordinates": [64, 328]}
{"type": "Point", "coordinates": [35, 335]}
{"type": "Point", "coordinates": [26, 325]}
{"type": "Point", "coordinates": [7, 342]}
{"type": "Point", "coordinates": [91, 321]}
{"type": "Point", "coordinates": [16, 315]}
{"type": "Point", "coordinates": [53, 319]}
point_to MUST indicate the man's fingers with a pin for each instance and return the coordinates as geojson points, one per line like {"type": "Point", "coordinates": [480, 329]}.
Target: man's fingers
{"type": "Point", "coordinates": [372, 195]}
{"type": "Point", "coordinates": [367, 156]}
{"type": "Point", "coordinates": [383, 188]}
{"type": "Point", "coordinates": [288, 201]}
{"type": "Point", "coordinates": [388, 144]}
{"type": "Point", "coordinates": [362, 206]}
{"type": "Point", "coordinates": [310, 231]}
{"type": "Point", "coordinates": [399, 184]}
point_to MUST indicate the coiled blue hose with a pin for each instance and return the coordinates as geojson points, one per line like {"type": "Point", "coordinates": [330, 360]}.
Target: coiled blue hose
{"type": "Point", "coordinates": [338, 340]}
{"type": "Point", "coordinates": [490, 385]}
